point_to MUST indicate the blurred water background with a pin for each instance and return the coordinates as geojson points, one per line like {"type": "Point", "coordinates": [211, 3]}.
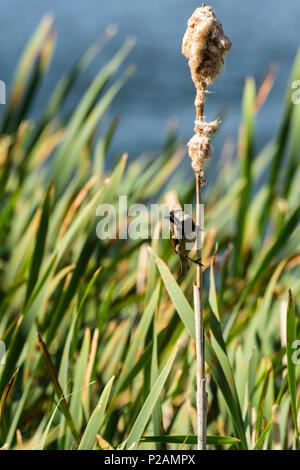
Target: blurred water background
{"type": "Point", "coordinates": [161, 88]}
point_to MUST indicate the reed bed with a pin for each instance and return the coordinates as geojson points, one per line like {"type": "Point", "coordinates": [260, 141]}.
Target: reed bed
{"type": "Point", "coordinates": [100, 333]}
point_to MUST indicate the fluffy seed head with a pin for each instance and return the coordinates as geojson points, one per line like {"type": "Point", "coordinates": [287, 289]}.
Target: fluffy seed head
{"type": "Point", "coordinates": [205, 45]}
{"type": "Point", "coordinates": [207, 128]}
{"type": "Point", "coordinates": [199, 150]}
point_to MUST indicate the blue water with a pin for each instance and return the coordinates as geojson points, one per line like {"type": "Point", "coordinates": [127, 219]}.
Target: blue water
{"type": "Point", "coordinates": [261, 32]}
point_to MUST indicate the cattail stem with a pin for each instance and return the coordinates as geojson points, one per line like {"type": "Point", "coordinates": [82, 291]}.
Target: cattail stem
{"type": "Point", "coordinates": [201, 401]}
{"type": "Point", "coordinates": [198, 225]}
{"type": "Point", "coordinates": [204, 45]}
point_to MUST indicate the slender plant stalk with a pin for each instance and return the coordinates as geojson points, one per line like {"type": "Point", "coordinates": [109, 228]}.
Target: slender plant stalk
{"type": "Point", "coordinates": [200, 357]}
{"type": "Point", "coordinates": [201, 400]}
{"type": "Point", "coordinates": [205, 45]}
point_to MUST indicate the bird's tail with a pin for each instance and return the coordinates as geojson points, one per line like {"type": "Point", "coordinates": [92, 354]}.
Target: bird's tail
{"type": "Point", "coordinates": [184, 265]}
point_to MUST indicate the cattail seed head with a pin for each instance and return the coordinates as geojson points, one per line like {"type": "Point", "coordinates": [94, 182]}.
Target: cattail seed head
{"type": "Point", "coordinates": [205, 45]}
{"type": "Point", "coordinates": [207, 128]}
{"type": "Point", "coordinates": [199, 145]}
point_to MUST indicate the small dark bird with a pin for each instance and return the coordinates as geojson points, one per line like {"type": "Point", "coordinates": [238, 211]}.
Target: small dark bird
{"type": "Point", "coordinates": [183, 232]}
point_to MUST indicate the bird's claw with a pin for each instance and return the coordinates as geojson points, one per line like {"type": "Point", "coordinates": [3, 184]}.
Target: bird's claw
{"type": "Point", "coordinates": [196, 261]}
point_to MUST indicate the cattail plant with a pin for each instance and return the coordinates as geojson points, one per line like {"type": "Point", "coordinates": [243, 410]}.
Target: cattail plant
{"type": "Point", "coordinates": [205, 45]}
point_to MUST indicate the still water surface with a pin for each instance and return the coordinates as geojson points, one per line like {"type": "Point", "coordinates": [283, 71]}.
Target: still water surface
{"type": "Point", "coordinates": [262, 31]}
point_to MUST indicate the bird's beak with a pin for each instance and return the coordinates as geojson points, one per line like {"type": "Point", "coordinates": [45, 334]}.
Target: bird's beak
{"type": "Point", "coordinates": [167, 217]}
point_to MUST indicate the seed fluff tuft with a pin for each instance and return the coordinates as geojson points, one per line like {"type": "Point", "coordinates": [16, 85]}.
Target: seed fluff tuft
{"type": "Point", "coordinates": [205, 45]}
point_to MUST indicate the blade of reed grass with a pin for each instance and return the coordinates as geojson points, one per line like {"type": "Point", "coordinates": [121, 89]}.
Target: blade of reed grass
{"type": "Point", "coordinates": [24, 68]}
{"type": "Point", "coordinates": [86, 392]}
{"type": "Point", "coordinates": [40, 285]}
{"type": "Point", "coordinates": [213, 301]}
{"type": "Point", "coordinates": [246, 149]}
{"type": "Point", "coordinates": [102, 148]}
{"type": "Point", "coordinates": [42, 442]}
{"type": "Point", "coordinates": [219, 347]}
{"type": "Point", "coordinates": [179, 300]}
{"type": "Point", "coordinates": [263, 436]}
{"type": "Point", "coordinates": [8, 210]}
{"type": "Point", "coordinates": [39, 246]}
{"type": "Point", "coordinates": [87, 290]}
{"type": "Point", "coordinates": [6, 393]}
{"type": "Point", "coordinates": [63, 405]}
{"type": "Point", "coordinates": [21, 237]}
{"type": "Point", "coordinates": [152, 273]}
{"type": "Point", "coordinates": [105, 307]}
{"type": "Point", "coordinates": [96, 420]}
{"type": "Point", "coordinates": [291, 336]}
{"type": "Point", "coordinates": [76, 409]}
{"type": "Point", "coordinates": [216, 337]}
{"type": "Point", "coordinates": [64, 363]}
{"type": "Point", "coordinates": [63, 374]}
{"type": "Point", "coordinates": [264, 312]}
{"type": "Point", "coordinates": [39, 69]}
{"type": "Point", "coordinates": [224, 376]}
{"type": "Point", "coordinates": [157, 411]}
{"type": "Point", "coordinates": [18, 412]}
{"type": "Point", "coordinates": [292, 163]}
{"type": "Point", "coordinates": [147, 408]}
{"type": "Point", "coordinates": [16, 345]}
{"type": "Point", "coordinates": [261, 402]}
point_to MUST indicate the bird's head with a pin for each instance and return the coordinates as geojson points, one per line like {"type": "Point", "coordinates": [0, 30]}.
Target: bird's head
{"type": "Point", "coordinates": [181, 221]}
